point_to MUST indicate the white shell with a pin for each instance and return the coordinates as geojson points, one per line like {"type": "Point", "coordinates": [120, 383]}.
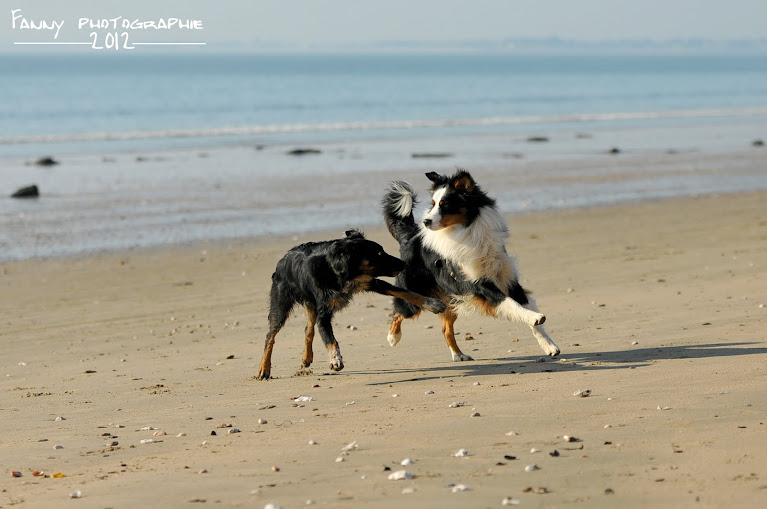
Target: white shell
{"type": "Point", "coordinates": [460, 487]}
{"type": "Point", "coordinates": [407, 461]}
{"type": "Point", "coordinates": [531, 468]}
{"type": "Point", "coordinates": [351, 446]}
{"type": "Point", "coordinates": [303, 399]}
{"type": "Point", "coordinates": [399, 475]}
{"type": "Point", "coordinates": [461, 453]}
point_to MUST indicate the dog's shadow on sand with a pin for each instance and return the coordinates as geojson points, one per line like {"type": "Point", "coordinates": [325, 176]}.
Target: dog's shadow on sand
{"type": "Point", "coordinates": [571, 361]}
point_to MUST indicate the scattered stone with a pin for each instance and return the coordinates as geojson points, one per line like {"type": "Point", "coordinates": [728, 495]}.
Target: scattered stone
{"type": "Point", "coordinates": [609, 491]}
{"type": "Point", "coordinates": [400, 475]}
{"type": "Point", "coordinates": [159, 433]}
{"type": "Point", "coordinates": [582, 393]}
{"type": "Point", "coordinates": [460, 487]}
{"type": "Point", "coordinates": [302, 399]}
{"type": "Point", "coordinates": [456, 404]}
{"type": "Point", "coordinates": [407, 461]}
{"type": "Point", "coordinates": [461, 453]}
{"type": "Point", "coordinates": [534, 450]}
{"type": "Point", "coordinates": [340, 459]}
{"type": "Point", "coordinates": [182, 434]}
{"type": "Point", "coordinates": [46, 161]}
{"type": "Point", "coordinates": [26, 192]}
{"type": "Point", "coordinates": [429, 392]}
{"type": "Point", "coordinates": [509, 457]}
{"type": "Point", "coordinates": [614, 151]}
{"type": "Point", "coordinates": [303, 151]}
{"type": "Point", "coordinates": [262, 421]}
{"type": "Point", "coordinates": [510, 501]}
{"type": "Point", "coordinates": [147, 441]}
{"type": "Point", "coordinates": [312, 442]}
{"type": "Point", "coordinates": [475, 414]}
{"type": "Point", "coordinates": [430, 155]}
{"type": "Point", "coordinates": [407, 491]}
{"type": "Point", "coordinates": [554, 453]}
{"type": "Point", "coordinates": [233, 430]}
{"type": "Point", "coordinates": [76, 494]}
{"type": "Point", "coordinates": [61, 418]}
{"type": "Point", "coordinates": [275, 468]}
{"type": "Point", "coordinates": [15, 473]}
{"type": "Point", "coordinates": [537, 139]}
{"type": "Point", "coordinates": [351, 327]}
{"type": "Point", "coordinates": [568, 438]}
{"type": "Point", "coordinates": [512, 434]}
{"type": "Point", "coordinates": [757, 143]}
{"type": "Point", "coordinates": [57, 446]}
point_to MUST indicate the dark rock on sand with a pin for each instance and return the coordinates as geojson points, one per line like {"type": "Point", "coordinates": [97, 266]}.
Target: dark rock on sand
{"type": "Point", "coordinates": [757, 143]}
{"type": "Point", "coordinates": [303, 151]}
{"type": "Point", "coordinates": [26, 192]}
{"type": "Point", "coordinates": [538, 139]}
{"type": "Point", "coordinates": [46, 161]}
{"type": "Point", "coordinates": [614, 151]}
{"type": "Point", "coordinates": [430, 155]}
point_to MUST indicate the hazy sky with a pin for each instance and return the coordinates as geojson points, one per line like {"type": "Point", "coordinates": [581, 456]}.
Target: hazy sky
{"type": "Point", "coordinates": [313, 22]}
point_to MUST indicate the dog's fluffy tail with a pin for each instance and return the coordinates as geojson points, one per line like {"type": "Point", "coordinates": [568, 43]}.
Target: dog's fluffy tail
{"type": "Point", "coordinates": [398, 203]}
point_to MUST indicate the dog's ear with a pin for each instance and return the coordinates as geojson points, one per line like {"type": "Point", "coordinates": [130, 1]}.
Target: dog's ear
{"type": "Point", "coordinates": [339, 258]}
{"type": "Point", "coordinates": [354, 234]}
{"type": "Point", "coordinates": [463, 182]}
{"type": "Point", "coordinates": [435, 177]}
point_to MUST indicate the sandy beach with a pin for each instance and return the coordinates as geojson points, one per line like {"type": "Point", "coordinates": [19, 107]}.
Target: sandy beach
{"type": "Point", "coordinates": [118, 368]}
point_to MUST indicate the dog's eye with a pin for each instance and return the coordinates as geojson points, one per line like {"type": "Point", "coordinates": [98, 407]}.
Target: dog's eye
{"type": "Point", "coordinates": [441, 203]}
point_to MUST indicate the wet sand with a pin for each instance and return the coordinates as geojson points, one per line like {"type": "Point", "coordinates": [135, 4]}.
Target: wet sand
{"type": "Point", "coordinates": [658, 308]}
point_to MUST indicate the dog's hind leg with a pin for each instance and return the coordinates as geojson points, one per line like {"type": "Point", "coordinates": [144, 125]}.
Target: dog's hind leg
{"type": "Point", "coordinates": [448, 320]}
{"type": "Point", "coordinates": [279, 310]}
{"type": "Point", "coordinates": [402, 310]}
{"type": "Point", "coordinates": [311, 320]}
{"type": "Point", "coordinates": [324, 322]}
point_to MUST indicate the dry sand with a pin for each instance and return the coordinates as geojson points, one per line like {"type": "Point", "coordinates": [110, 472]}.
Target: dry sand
{"type": "Point", "coordinates": [658, 308]}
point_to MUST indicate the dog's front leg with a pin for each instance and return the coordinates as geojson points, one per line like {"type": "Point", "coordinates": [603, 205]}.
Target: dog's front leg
{"type": "Point", "coordinates": [324, 323]}
{"type": "Point", "coordinates": [436, 306]}
{"type": "Point", "coordinates": [545, 342]}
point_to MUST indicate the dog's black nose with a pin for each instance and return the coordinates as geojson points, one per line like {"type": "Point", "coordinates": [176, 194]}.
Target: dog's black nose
{"type": "Point", "coordinates": [427, 222]}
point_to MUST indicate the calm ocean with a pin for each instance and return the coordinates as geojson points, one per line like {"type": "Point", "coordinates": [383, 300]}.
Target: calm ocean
{"type": "Point", "coordinates": [139, 101]}
{"type": "Point", "coordinates": [173, 149]}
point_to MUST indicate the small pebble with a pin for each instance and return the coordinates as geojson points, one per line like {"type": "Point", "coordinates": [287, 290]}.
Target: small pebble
{"type": "Point", "coordinates": [531, 468]}
{"type": "Point", "coordinates": [312, 442]}
{"type": "Point", "coordinates": [512, 434]}
{"type": "Point", "coordinates": [352, 327]}
{"type": "Point", "coordinates": [262, 421]}
{"type": "Point", "coordinates": [275, 468]}
{"type": "Point", "coordinates": [203, 471]}
{"type": "Point", "coordinates": [182, 434]}
{"type": "Point", "coordinates": [510, 501]}
{"type": "Point", "coordinates": [147, 441]}
{"type": "Point", "coordinates": [224, 426]}
{"type": "Point", "coordinates": [407, 491]}
{"type": "Point", "coordinates": [582, 393]}
{"type": "Point", "coordinates": [460, 487]}
{"type": "Point", "coordinates": [461, 453]}
{"type": "Point", "coordinates": [395, 395]}
{"type": "Point", "coordinates": [340, 459]}
{"type": "Point", "coordinates": [429, 392]}
{"type": "Point", "coordinates": [61, 418]}
{"type": "Point", "coordinates": [475, 414]}
{"type": "Point", "coordinates": [400, 475]}
{"type": "Point", "coordinates": [568, 438]}
{"type": "Point", "coordinates": [159, 433]}
{"type": "Point", "coordinates": [272, 506]}
{"type": "Point", "coordinates": [407, 461]}
{"type": "Point", "coordinates": [554, 453]}
{"type": "Point", "coordinates": [534, 450]}
{"type": "Point", "coordinates": [15, 473]}
{"type": "Point", "coordinates": [456, 404]}
{"type": "Point", "coordinates": [76, 494]}
{"type": "Point", "coordinates": [232, 430]}
{"type": "Point", "coordinates": [57, 446]}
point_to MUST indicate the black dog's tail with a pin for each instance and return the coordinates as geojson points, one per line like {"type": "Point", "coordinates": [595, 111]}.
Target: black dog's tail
{"type": "Point", "coordinates": [398, 203]}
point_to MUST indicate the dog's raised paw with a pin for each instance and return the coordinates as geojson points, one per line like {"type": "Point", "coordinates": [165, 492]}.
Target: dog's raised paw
{"type": "Point", "coordinates": [436, 306]}
{"type": "Point", "coordinates": [458, 357]}
{"type": "Point", "coordinates": [393, 339]}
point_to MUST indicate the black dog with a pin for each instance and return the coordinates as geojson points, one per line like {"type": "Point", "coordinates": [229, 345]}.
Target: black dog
{"type": "Point", "coordinates": [324, 277]}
